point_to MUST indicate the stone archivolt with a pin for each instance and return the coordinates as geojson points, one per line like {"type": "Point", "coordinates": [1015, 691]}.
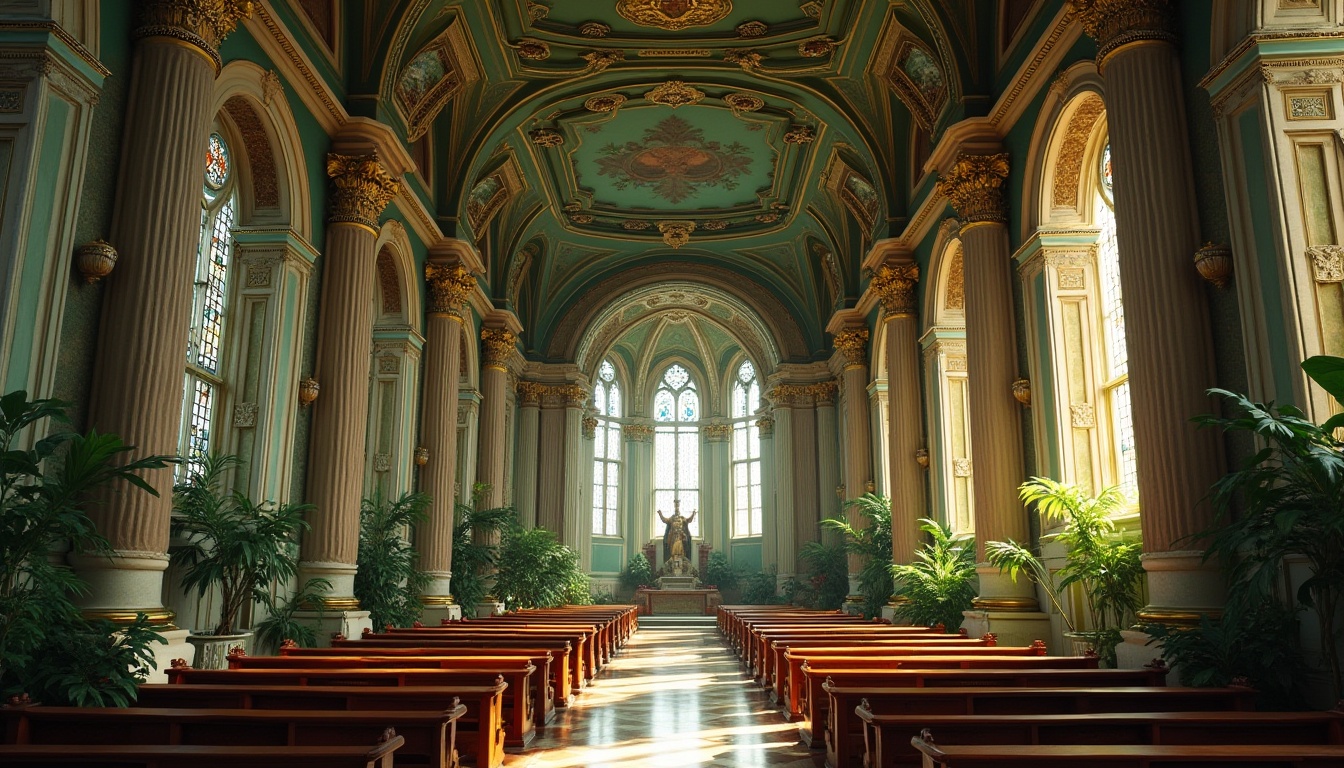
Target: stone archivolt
{"type": "Point", "coordinates": [894, 285]}
{"type": "Point", "coordinates": [976, 186]}
{"type": "Point", "coordinates": [1113, 23]}
{"type": "Point", "coordinates": [498, 344]}
{"type": "Point", "coordinates": [449, 286]}
{"type": "Point", "coordinates": [202, 23]}
{"type": "Point", "coordinates": [853, 344]}
{"type": "Point", "coordinates": [361, 188]}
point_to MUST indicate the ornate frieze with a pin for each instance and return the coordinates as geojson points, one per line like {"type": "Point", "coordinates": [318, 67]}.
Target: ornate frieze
{"type": "Point", "coordinates": [498, 345]}
{"type": "Point", "coordinates": [853, 344]}
{"type": "Point", "coordinates": [1327, 263]}
{"type": "Point", "coordinates": [803, 395]}
{"type": "Point", "coordinates": [449, 287]}
{"type": "Point", "coordinates": [637, 433]}
{"type": "Point", "coordinates": [562, 395]}
{"type": "Point", "coordinates": [361, 188]}
{"type": "Point", "coordinates": [976, 185]}
{"type": "Point", "coordinates": [1114, 23]}
{"type": "Point", "coordinates": [894, 285]}
{"type": "Point", "coordinates": [201, 23]}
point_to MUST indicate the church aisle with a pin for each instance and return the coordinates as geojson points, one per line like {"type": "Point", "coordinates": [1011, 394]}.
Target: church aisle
{"type": "Point", "coordinates": [674, 697]}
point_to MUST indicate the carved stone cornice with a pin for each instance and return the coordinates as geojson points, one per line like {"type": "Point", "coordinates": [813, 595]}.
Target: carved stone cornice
{"type": "Point", "coordinates": [894, 285]}
{"type": "Point", "coordinates": [450, 285]}
{"type": "Point", "coordinates": [1114, 23]}
{"type": "Point", "coordinates": [853, 344]}
{"type": "Point", "coordinates": [977, 187]}
{"type": "Point", "coordinates": [497, 345]}
{"type": "Point", "coordinates": [361, 188]}
{"type": "Point", "coordinates": [637, 433]}
{"type": "Point", "coordinates": [202, 24]}
{"type": "Point", "coordinates": [529, 393]}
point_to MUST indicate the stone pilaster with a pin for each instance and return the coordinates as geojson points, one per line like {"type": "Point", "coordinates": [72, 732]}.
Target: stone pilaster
{"type": "Point", "coordinates": [139, 370]}
{"type": "Point", "coordinates": [448, 287]}
{"type": "Point", "coordinates": [498, 345]}
{"type": "Point", "coordinates": [769, 482]}
{"type": "Point", "coordinates": [852, 343]}
{"type": "Point", "coordinates": [525, 471]}
{"type": "Point", "coordinates": [806, 463]}
{"type": "Point", "coordinates": [1166, 315]}
{"type": "Point", "coordinates": [786, 548]}
{"type": "Point", "coordinates": [578, 522]}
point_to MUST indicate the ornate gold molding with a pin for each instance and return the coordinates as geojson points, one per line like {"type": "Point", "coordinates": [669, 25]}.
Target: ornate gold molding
{"type": "Point", "coordinates": [1015, 604]}
{"type": "Point", "coordinates": [498, 345]}
{"type": "Point", "coordinates": [589, 427]}
{"type": "Point", "coordinates": [529, 392]}
{"type": "Point", "coordinates": [202, 24]}
{"type": "Point", "coordinates": [717, 433]}
{"type": "Point", "coordinates": [976, 185]}
{"type": "Point", "coordinates": [766, 425]}
{"type": "Point", "coordinates": [361, 188]}
{"type": "Point", "coordinates": [654, 13]}
{"type": "Point", "coordinates": [675, 93]}
{"type": "Point", "coordinates": [676, 233]}
{"type": "Point", "coordinates": [449, 287]}
{"type": "Point", "coordinates": [803, 395]}
{"type": "Point", "coordinates": [161, 619]}
{"type": "Point", "coordinates": [1115, 23]}
{"type": "Point", "coordinates": [894, 285]}
{"type": "Point", "coordinates": [639, 433]}
{"type": "Point", "coordinates": [853, 344]}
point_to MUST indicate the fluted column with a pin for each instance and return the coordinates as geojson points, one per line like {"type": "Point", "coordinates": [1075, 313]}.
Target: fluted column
{"type": "Point", "coordinates": [497, 346]}
{"type": "Point", "coordinates": [525, 470]}
{"type": "Point", "coordinates": [156, 225]}
{"type": "Point", "coordinates": [830, 488]}
{"type": "Point", "coordinates": [361, 188]}
{"type": "Point", "coordinates": [448, 287]}
{"type": "Point", "coordinates": [577, 521]}
{"type": "Point", "coordinates": [786, 548]}
{"type": "Point", "coordinates": [639, 477]}
{"type": "Point", "coordinates": [1166, 316]}
{"type": "Point", "coordinates": [895, 284]}
{"type": "Point", "coordinates": [584, 544]}
{"type": "Point", "coordinates": [976, 186]}
{"type": "Point", "coordinates": [806, 463]}
{"type": "Point", "coordinates": [769, 479]}
{"type": "Point", "coordinates": [550, 462]}
{"type": "Point", "coordinates": [853, 344]}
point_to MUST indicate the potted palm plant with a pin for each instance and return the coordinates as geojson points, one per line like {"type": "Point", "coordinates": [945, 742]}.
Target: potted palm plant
{"type": "Point", "coordinates": [940, 584]}
{"type": "Point", "coordinates": [1106, 565]}
{"type": "Point", "coordinates": [872, 542]}
{"type": "Point", "coordinates": [234, 545]}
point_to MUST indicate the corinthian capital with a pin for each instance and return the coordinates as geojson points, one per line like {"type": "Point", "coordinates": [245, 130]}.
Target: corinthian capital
{"type": "Point", "coordinates": [200, 23]}
{"type": "Point", "coordinates": [498, 345]}
{"type": "Point", "coordinates": [853, 344]}
{"type": "Point", "coordinates": [975, 185]}
{"type": "Point", "coordinates": [529, 392]}
{"type": "Point", "coordinates": [361, 188]}
{"type": "Point", "coordinates": [1113, 23]}
{"type": "Point", "coordinates": [449, 286]}
{"type": "Point", "coordinates": [895, 287]}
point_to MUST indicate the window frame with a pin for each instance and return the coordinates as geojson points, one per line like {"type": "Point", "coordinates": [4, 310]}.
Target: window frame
{"type": "Point", "coordinates": [684, 432]}
{"type": "Point", "coordinates": [746, 436]}
{"type": "Point", "coordinates": [608, 425]}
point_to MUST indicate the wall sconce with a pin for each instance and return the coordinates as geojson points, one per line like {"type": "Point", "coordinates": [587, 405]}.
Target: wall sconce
{"type": "Point", "coordinates": [95, 260]}
{"type": "Point", "coordinates": [1022, 391]}
{"type": "Point", "coordinates": [1214, 263]}
{"type": "Point", "coordinates": [421, 455]}
{"type": "Point", "coordinates": [922, 457]}
{"type": "Point", "coordinates": [308, 391]}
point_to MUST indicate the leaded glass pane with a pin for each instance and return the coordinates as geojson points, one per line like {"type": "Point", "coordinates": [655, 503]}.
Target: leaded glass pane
{"type": "Point", "coordinates": [1112, 305]}
{"type": "Point", "coordinates": [665, 458]}
{"type": "Point", "coordinates": [663, 406]}
{"type": "Point", "coordinates": [746, 372]}
{"type": "Point", "coordinates": [614, 400]}
{"type": "Point", "coordinates": [688, 459]}
{"type": "Point", "coordinates": [739, 400]}
{"type": "Point", "coordinates": [599, 471]}
{"type": "Point", "coordinates": [212, 275]}
{"type": "Point", "coordinates": [217, 163]}
{"type": "Point", "coordinates": [676, 377]}
{"type": "Point", "coordinates": [688, 406]}
{"type": "Point", "coordinates": [201, 410]}
{"type": "Point", "coordinates": [607, 371]}
{"type": "Point", "coordinates": [739, 440]}
{"type": "Point", "coordinates": [613, 441]}
{"type": "Point", "coordinates": [600, 441]}
{"type": "Point", "coordinates": [1124, 428]}
{"type": "Point", "coordinates": [600, 399]}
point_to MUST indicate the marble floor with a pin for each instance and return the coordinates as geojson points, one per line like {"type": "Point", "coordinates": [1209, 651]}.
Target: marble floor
{"type": "Point", "coordinates": [673, 697]}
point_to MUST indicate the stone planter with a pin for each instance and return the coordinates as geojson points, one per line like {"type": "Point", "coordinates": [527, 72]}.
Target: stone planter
{"type": "Point", "coordinates": [1081, 643]}
{"type": "Point", "coordinates": [212, 651]}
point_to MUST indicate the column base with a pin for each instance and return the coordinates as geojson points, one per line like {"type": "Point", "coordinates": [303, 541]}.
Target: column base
{"type": "Point", "coordinates": [780, 580]}
{"type": "Point", "coordinates": [999, 593]}
{"type": "Point", "coordinates": [437, 608]}
{"type": "Point", "coordinates": [340, 575]}
{"type": "Point", "coordinates": [487, 608]}
{"type": "Point", "coordinates": [177, 648]}
{"type": "Point", "coordinates": [1011, 627]}
{"type": "Point", "coordinates": [1182, 587]}
{"type": "Point", "coordinates": [328, 622]}
{"type": "Point", "coordinates": [854, 605]}
{"type": "Point", "coordinates": [121, 582]}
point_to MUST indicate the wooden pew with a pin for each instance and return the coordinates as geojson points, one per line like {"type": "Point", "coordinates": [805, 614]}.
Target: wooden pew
{"type": "Point", "coordinates": [600, 635]}
{"type": "Point", "coordinates": [429, 737]}
{"type": "Point", "coordinates": [759, 642]}
{"type": "Point", "coordinates": [160, 756]}
{"type": "Point", "coordinates": [1129, 756]}
{"type": "Point", "coordinates": [585, 649]}
{"type": "Point", "coordinates": [480, 730]}
{"type": "Point", "coordinates": [766, 659]}
{"type": "Point", "coordinates": [888, 738]}
{"type": "Point", "coordinates": [543, 706]}
{"type": "Point", "coordinates": [576, 665]}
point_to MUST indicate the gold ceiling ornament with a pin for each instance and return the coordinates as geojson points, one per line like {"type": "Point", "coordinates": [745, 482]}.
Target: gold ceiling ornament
{"type": "Point", "coordinates": [581, 218]}
{"type": "Point", "coordinates": [675, 93]}
{"type": "Point", "coordinates": [894, 285]}
{"type": "Point", "coordinates": [976, 187]}
{"type": "Point", "coordinates": [95, 260]}
{"type": "Point", "coordinates": [361, 188]}
{"type": "Point", "coordinates": [1022, 391]}
{"type": "Point", "coordinates": [606, 102]}
{"type": "Point", "coordinates": [743, 102]}
{"type": "Point", "coordinates": [767, 218]}
{"type": "Point", "coordinates": [714, 225]}
{"type": "Point", "coordinates": [594, 29]}
{"type": "Point", "coordinates": [853, 344]}
{"type": "Point", "coordinates": [816, 47]}
{"type": "Point", "coordinates": [749, 29]}
{"type": "Point", "coordinates": [573, 206]}
{"type": "Point", "coordinates": [498, 345]}
{"type": "Point", "coordinates": [1214, 263]}
{"type": "Point", "coordinates": [599, 60]}
{"type": "Point", "coordinates": [199, 23]}
{"type": "Point", "coordinates": [800, 134]}
{"type": "Point", "coordinates": [673, 15]}
{"type": "Point", "coordinates": [636, 225]}
{"type": "Point", "coordinates": [449, 287]}
{"type": "Point", "coordinates": [676, 233]}
{"type": "Point", "coordinates": [745, 58]}
{"type": "Point", "coordinates": [532, 50]}
{"type": "Point", "coordinates": [537, 11]}
{"type": "Point", "coordinates": [1114, 23]}
{"type": "Point", "coordinates": [546, 138]}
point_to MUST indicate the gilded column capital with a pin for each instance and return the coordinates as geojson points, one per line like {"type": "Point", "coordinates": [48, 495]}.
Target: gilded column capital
{"type": "Point", "coordinates": [574, 395]}
{"type": "Point", "coordinates": [529, 393]}
{"type": "Point", "coordinates": [1115, 23]}
{"type": "Point", "coordinates": [361, 189]}
{"type": "Point", "coordinates": [853, 344]}
{"type": "Point", "coordinates": [449, 287]}
{"type": "Point", "coordinates": [823, 392]}
{"type": "Point", "coordinates": [589, 427]}
{"type": "Point", "coordinates": [637, 433]}
{"type": "Point", "coordinates": [201, 24]}
{"type": "Point", "coordinates": [717, 433]}
{"type": "Point", "coordinates": [498, 345]}
{"type": "Point", "coordinates": [766, 425]}
{"type": "Point", "coordinates": [895, 288]}
{"type": "Point", "coordinates": [976, 185]}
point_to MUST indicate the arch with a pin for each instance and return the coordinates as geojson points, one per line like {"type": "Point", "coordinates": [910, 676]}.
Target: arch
{"type": "Point", "coordinates": [1062, 144]}
{"type": "Point", "coordinates": [944, 295]}
{"type": "Point", "coordinates": [701, 371]}
{"type": "Point", "coordinates": [274, 186]}
{"type": "Point", "coordinates": [398, 300]}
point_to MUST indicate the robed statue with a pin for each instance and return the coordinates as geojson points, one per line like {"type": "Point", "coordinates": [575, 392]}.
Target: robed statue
{"type": "Point", "coordinates": [676, 534]}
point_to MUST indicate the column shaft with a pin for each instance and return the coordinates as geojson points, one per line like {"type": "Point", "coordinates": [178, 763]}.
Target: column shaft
{"type": "Point", "coordinates": [490, 459]}
{"type": "Point", "coordinates": [769, 481]}
{"type": "Point", "coordinates": [525, 470]}
{"type": "Point", "coordinates": [905, 435]}
{"type": "Point", "coordinates": [573, 528]}
{"type": "Point", "coordinates": [806, 505]}
{"type": "Point", "coordinates": [551, 468]}
{"type": "Point", "coordinates": [786, 550]}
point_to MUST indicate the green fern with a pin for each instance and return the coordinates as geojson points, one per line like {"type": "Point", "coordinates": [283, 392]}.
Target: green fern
{"type": "Point", "coordinates": [388, 582]}
{"type": "Point", "coordinates": [941, 582]}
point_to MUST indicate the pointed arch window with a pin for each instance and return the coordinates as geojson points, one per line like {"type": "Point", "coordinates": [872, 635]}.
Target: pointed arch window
{"type": "Point", "coordinates": [1115, 358]}
{"type": "Point", "coordinates": [746, 471]}
{"type": "Point", "coordinates": [607, 452]}
{"type": "Point", "coordinates": [676, 446]}
{"type": "Point", "coordinates": [204, 387]}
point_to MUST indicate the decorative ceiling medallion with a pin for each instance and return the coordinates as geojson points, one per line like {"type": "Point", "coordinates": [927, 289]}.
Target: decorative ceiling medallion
{"type": "Point", "coordinates": [607, 102]}
{"type": "Point", "coordinates": [744, 58]}
{"type": "Point", "coordinates": [548, 138]}
{"type": "Point", "coordinates": [598, 61]}
{"type": "Point", "coordinates": [675, 93]}
{"type": "Point", "coordinates": [752, 29]}
{"type": "Point", "coordinates": [743, 102]}
{"type": "Point", "coordinates": [594, 29]}
{"type": "Point", "coordinates": [714, 225]}
{"type": "Point", "coordinates": [673, 15]}
{"type": "Point", "coordinates": [767, 218]}
{"type": "Point", "coordinates": [675, 161]}
{"type": "Point", "coordinates": [636, 225]}
{"type": "Point", "coordinates": [532, 50]}
{"type": "Point", "coordinates": [536, 11]}
{"type": "Point", "coordinates": [581, 218]}
{"type": "Point", "coordinates": [816, 47]}
{"type": "Point", "coordinates": [676, 233]}
{"type": "Point", "coordinates": [800, 134]}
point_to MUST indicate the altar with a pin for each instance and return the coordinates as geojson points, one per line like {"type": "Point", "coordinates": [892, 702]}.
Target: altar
{"type": "Point", "coordinates": [677, 602]}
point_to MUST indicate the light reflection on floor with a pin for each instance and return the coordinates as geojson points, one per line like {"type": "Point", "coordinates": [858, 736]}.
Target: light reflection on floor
{"type": "Point", "coordinates": [673, 698]}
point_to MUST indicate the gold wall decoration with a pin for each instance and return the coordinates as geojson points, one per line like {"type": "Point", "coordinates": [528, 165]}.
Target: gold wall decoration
{"type": "Point", "coordinates": [421, 455]}
{"type": "Point", "coordinates": [853, 344]}
{"type": "Point", "coordinates": [766, 426]}
{"type": "Point", "coordinates": [594, 29]}
{"type": "Point", "coordinates": [308, 391]}
{"type": "Point", "coordinates": [581, 218]}
{"type": "Point", "coordinates": [749, 29]}
{"type": "Point", "coordinates": [607, 102]}
{"type": "Point", "coordinates": [975, 186]}
{"type": "Point", "coordinates": [894, 285]}
{"type": "Point", "coordinates": [673, 15]}
{"type": "Point", "coordinates": [1214, 263]}
{"type": "Point", "coordinates": [637, 433]}
{"type": "Point", "coordinates": [743, 102]}
{"type": "Point", "coordinates": [1316, 105]}
{"type": "Point", "coordinates": [817, 47]}
{"type": "Point", "coordinates": [1327, 263]}
{"type": "Point", "coordinates": [95, 260]}
{"type": "Point", "coordinates": [1083, 415]}
{"type": "Point", "coordinates": [598, 61]}
{"type": "Point", "coordinates": [1069, 160]}
{"type": "Point", "coordinates": [532, 50]}
{"type": "Point", "coordinates": [498, 345]}
{"type": "Point", "coordinates": [800, 134]}
{"type": "Point", "coordinates": [529, 393]}
{"type": "Point", "coordinates": [717, 433]}
{"type": "Point", "coordinates": [1114, 23]}
{"type": "Point", "coordinates": [1022, 391]}
{"type": "Point", "coordinates": [714, 225]}
{"type": "Point", "coordinates": [589, 427]}
{"type": "Point", "coordinates": [449, 286]}
{"type": "Point", "coordinates": [675, 93]}
{"type": "Point", "coordinates": [674, 53]}
{"type": "Point", "coordinates": [961, 467]}
{"type": "Point", "coordinates": [547, 138]}
{"type": "Point", "coordinates": [745, 58]}
{"type": "Point", "coordinates": [361, 188]}
{"type": "Point", "coordinates": [200, 23]}
{"type": "Point", "coordinates": [922, 457]}
{"type": "Point", "coordinates": [636, 225]}
{"type": "Point", "coordinates": [676, 233]}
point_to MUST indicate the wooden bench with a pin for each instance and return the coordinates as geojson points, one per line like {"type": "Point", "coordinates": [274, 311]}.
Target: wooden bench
{"type": "Point", "coordinates": [1129, 756]}
{"type": "Point", "coordinates": [765, 661]}
{"type": "Point", "coordinates": [888, 738]}
{"type": "Point", "coordinates": [755, 655]}
{"type": "Point", "coordinates": [575, 665]}
{"type": "Point", "coordinates": [160, 756]}
{"type": "Point", "coordinates": [480, 730]}
{"type": "Point", "coordinates": [585, 651]}
{"type": "Point", "coordinates": [429, 737]}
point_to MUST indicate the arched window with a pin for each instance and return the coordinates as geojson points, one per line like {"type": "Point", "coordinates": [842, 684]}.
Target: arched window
{"type": "Point", "coordinates": [607, 452]}
{"type": "Point", "coordinates": [747, 519]}
{"type": "Point", "coordinates": [203, 391]}
{"type": "Point", "coordinates": [1114, 358]}
{"type": "Point", "coordinates": [676, 408]}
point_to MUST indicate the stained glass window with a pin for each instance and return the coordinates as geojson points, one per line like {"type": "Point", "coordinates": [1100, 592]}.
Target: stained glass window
{"type": "Point", "coordinates": [676, 446]}
{"type": "Point", "coordinates": [209, 311]}
{"type": "Point", "coordinates": [607, 452]}
{"type": "Point", "coordinates": [746, 470]}
{"type": "Point", "coordinates": [1115, 354]}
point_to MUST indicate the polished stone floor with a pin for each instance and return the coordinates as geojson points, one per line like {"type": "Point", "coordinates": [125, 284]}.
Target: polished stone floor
{"type": "Point", "coordinates": [673, 697]}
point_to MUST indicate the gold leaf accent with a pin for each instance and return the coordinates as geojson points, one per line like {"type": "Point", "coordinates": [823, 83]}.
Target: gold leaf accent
{"type": "Point", "coordinates": [655, 13]}
{"type": "Point", "coordinates": [676, 233]}
{"type": "Point", "coordinates": [361, 188]}
{"type": "Point", "coordinates": [675, 93]}
{"type": "Point", "coordinates": [975, 185]}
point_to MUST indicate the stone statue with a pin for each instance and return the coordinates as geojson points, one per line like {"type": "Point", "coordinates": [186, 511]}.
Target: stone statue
{"type": "Point", "coordinates": [677, 534]}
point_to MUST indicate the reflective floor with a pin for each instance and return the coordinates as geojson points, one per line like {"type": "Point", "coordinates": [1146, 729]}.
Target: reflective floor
{"type": "Point", "coordinates": [674, 697]}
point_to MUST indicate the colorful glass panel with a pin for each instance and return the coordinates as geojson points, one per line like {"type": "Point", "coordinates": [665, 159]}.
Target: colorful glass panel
{"type": "Point", "coordinates": [218, 163]}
